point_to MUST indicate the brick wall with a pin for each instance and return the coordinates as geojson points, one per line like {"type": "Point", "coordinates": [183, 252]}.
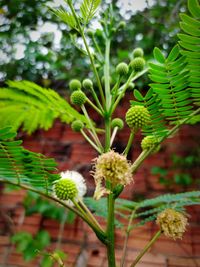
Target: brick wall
{"type": "Point", "coordinates": [72, 152]}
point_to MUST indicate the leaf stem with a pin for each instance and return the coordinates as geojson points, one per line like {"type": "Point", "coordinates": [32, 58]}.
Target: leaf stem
{"type": "Point", "coordinates": [93, 106]}
{"type": "Point", "coordinates": [92, 127]}
{"type": "Point", "coordinates": [130, 141]}
{"type": "Point", "coordinates": [90, 142]}
{"type": "Point", "coordinates": [113, 135]}
{"type": "Point", "coordinates": [146, 248]}
{"type": "Point", "coordinates": [124, 87]}
{"type": "Point", "coordinates": [88, 51]}
{"type": "Point", "coordinates": [126, 238]}
{"type": "Point", "coordinates": [107, 74]}
{"type": "Point", "coordinates": [146, 153]}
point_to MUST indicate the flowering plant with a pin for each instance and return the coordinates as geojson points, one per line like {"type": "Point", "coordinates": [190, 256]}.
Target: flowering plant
{"type": "Point", "coordinates": [171, 101]}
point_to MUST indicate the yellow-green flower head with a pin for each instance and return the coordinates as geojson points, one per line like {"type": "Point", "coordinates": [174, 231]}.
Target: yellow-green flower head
{"type": "Point", "coordinates": [78, 98]}
{"type": "Point", "coordinates": [138, 52]}
{"type": "Point", "coordinates": [172, 223]}
{"type": "Point", "coordinates": [71, 186]}
{"type": "Point", "coordinates": [74, 85]}
{"type": "Point", "coordinates": [148, 142]}
{"type": "Point", "coordinates": [137, 117]}
{"type": "Point", "coordinates": [122, 69]}
{"type": "Point", "coordinates": [77, 125]}
{"type": "Point", "coordinates": [65, 189]}
{"type": "Point", "coordinates": [87, 84]}
{"type": "Point", "coordinates": [112, 167]}
{"type": "Point", "coordinates": [117, 122]}
{"type": "Point", "coordinates": [137, 64]}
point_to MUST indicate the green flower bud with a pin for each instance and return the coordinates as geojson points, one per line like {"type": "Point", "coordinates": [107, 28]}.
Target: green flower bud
{"type": "Point", "coordinates": [122, 69]}
{"type": "Point", "coordinates": [65, 189]}
{"type": "Point", "coordinates": [87, 84]}
{"type": "Point", "coordinates": [75, 85]}
{"type": "Point", "coordinates": [122, 24]}
{"type": "Point", "coordinates": [137, 117]}
{"type": "Point", "coordinates": [77, 126]}
{"type": "Point", "coordinates": [78, 98]}
{"type": "Point", "coordinates": [137, 64]}
{"type": "Point", "coordinates": [138, 52]}
{"type": "Point", "coordinates": [117, 122]}
{"type": "Point", "coordinates": [148, 142]}
{"type": "Point", "coordinates": [90, 32]}
{"type": "Point", "coordinates": [131, 86]}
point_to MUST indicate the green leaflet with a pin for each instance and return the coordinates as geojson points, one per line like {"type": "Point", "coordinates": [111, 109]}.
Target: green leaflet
{"type": "Point", "coordinates": [158, 55]}
{"type": "Point", "coordinates": [88, 9]}
{"type": "Point", "coordinates": [23, 167]}
{"type": "Point", "coordinates": [194, 8]}
{"type": "Point", "coordinates": [66, 17]}
{"type": "Point", "coordinates": [190, 43]}
{"type": "Point", "coordinates": [26, 104]}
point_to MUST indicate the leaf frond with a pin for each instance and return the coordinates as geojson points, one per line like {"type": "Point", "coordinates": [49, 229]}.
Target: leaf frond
{"type": "Point", "coordinates": [26, 104]}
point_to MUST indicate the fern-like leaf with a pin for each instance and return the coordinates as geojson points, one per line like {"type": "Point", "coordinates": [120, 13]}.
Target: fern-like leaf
{"type": "Point", "coordinates": [156, 126]}
{"type": "Point", "coordinates": [88, 9]}
{"type": "Point", "coordinates": [23, 167]}
{"type": "Point", "coordinates": [190, 44]}
{"type": "Point", "coordinates": [28, 105]}
{"type": "Point", "coordinates": [65, 16]}
{"type": "Point", "coordinates": [148, 209]}
{"type": "Point", "coordinates": [171, 81]}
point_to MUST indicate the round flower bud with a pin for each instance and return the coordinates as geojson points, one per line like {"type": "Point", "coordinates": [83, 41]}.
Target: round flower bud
{"type": "Point", "coordinates": [122, 24]}
{"type": "Point", "coordinates": [117, 122]}
{"type": "Point", "coordinates": [78, 98]}
{"type": "Point", "coordinates": [77, 126]}
{"type": "Point", "coordinates": [87, 84]}
{"type": "Point", "coordinates": [74, 85]}
{"type": "Point", "coordinates": [137, 117]}
{"type": "Point", "coordinates": [131, 86]}
{"type": "Point", "coordinates": [122, 69]}
{"type": "Point", "coordinates": [172, 223]}
{"type": "Point", "coordinates": [138, 52]}
{"type": "Point", "coordinates": [148, 142]}
{"type": "Point", "coordinates": [137, 64]}
{"type": "Point", "coordinates": [90, 32]}
{"type": "Point", "coordinates": [65, 189]}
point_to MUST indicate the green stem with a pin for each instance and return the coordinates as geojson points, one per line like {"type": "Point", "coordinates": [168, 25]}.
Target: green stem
{"type": "Point", "coordinates": [90, 214]}
{"type": "Point", "coordinates": [107, 133]}
{"type": "Point", "coordinates": [107, 74]}
{"type": "Point", "coordinates": [126, 238]}
{"type": "Point", "coordinates": [77, 211]}
{"type": "Point", "coordinates": [88, 51]}
{"type": "Point", "coordinates": [113, 135]}
{"type": "Point", "coordinates": [93, 106]}
{"type": "Point", "coordinates": [111, 231]}
{"type": "Point", "coordinates": [90, 142]}
{"type": "Point", "coordinates": [146, 248]}
{"type": "Point", "coordinates": [123, 89]}
{"type": "Point", "coordinates": [146, 153]}
{"type": "Point", "coordinates": [91, 222]}
{"type": "Point", "coordinates": [97, 46]}
{"type": "Point", "coordinates": [92, 127]}
{"type": "Point", "coordinates": [130, 141]}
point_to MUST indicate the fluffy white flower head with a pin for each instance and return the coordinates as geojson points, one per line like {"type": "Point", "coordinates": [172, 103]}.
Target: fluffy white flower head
{"type": "Point", "coordinates": [77, 180]}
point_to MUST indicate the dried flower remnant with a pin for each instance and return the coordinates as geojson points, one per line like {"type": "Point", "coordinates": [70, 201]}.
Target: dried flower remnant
{"type": "Point", "coordinates": [112, 167]}
{"type": "Point", "coordinates": [172, 223]}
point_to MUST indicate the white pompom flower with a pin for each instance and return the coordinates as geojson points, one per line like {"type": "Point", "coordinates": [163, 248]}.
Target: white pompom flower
{"type": "Point", "coordinates": [71, 186]}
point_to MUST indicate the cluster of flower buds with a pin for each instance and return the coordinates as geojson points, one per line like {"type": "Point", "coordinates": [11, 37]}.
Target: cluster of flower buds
{"type": "Point", "coordinates": [137, 63]}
